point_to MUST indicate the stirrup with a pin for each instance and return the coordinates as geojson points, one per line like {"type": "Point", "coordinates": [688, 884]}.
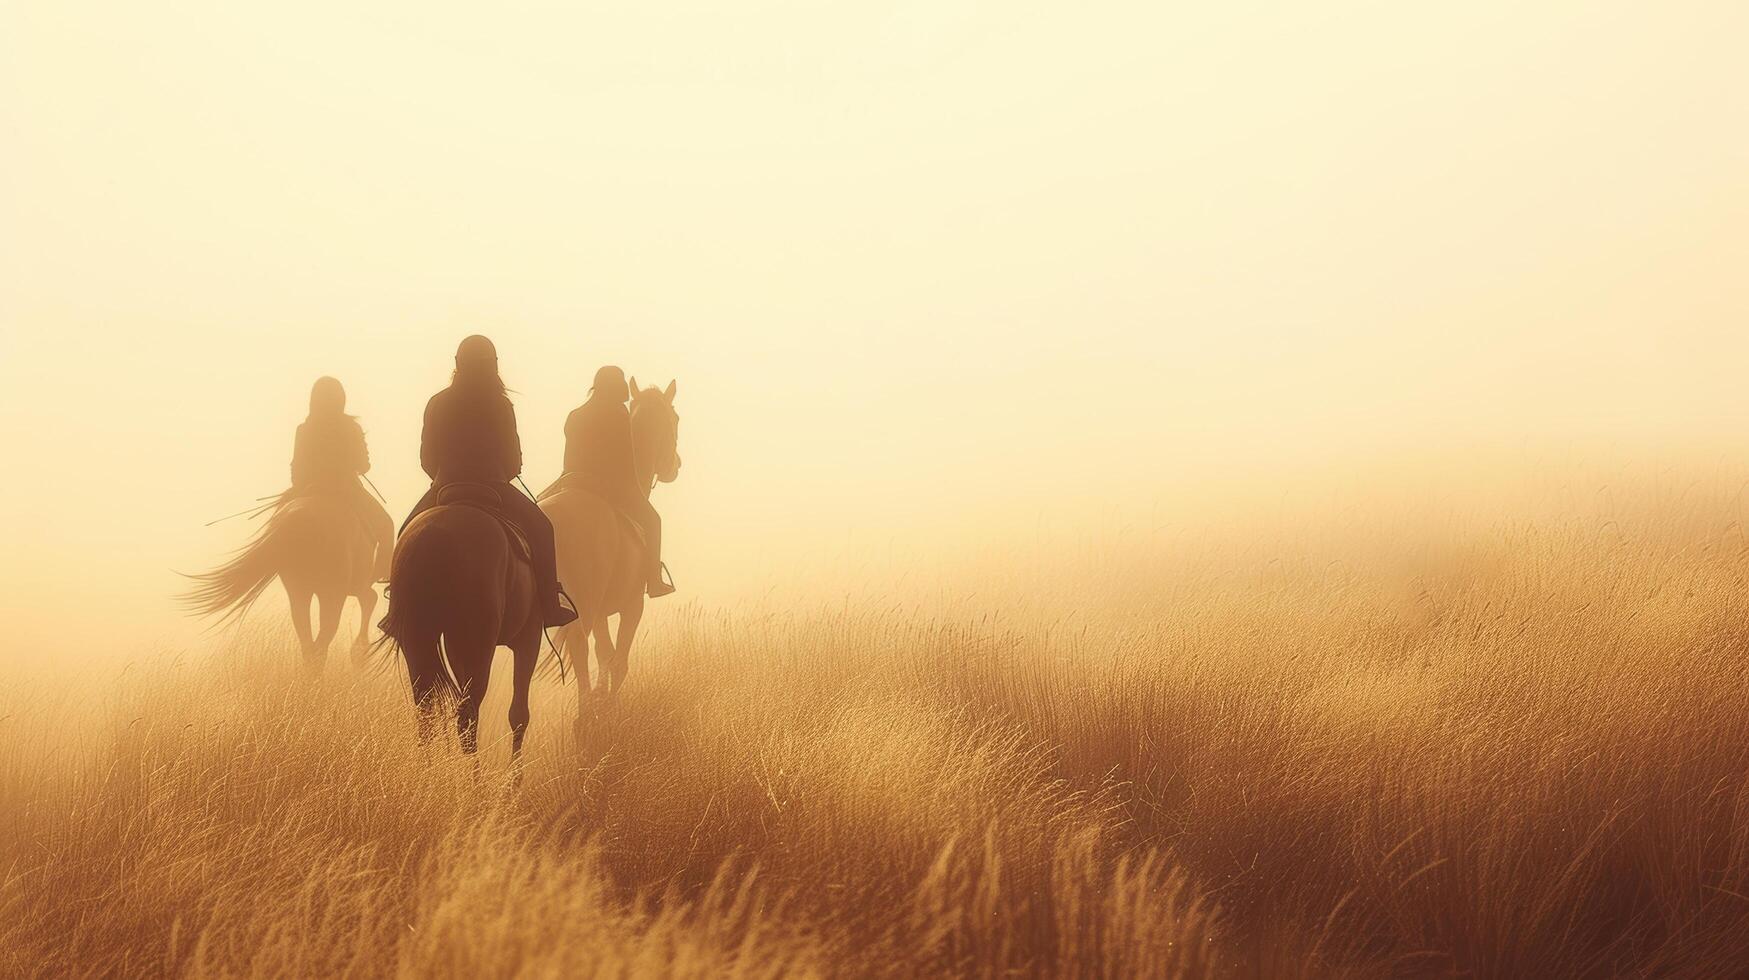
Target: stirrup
{"type": "Point", "coordinates": [664, 584]}
{"type": "Point", "coordinates": [562, 612]}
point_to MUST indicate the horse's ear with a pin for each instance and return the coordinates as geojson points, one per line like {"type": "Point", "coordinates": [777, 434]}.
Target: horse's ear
{"type": "Point", "coordinates": [632, 384]}
{"type": "Point", "coordinates": [669, 393]}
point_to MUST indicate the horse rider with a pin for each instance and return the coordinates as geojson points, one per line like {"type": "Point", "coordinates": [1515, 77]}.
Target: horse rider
{"type": "Point", "coordinates": [329, 456]}
{"type": "Point", "coordinates": [598, 457]}
{"type": "Point", "coordinates": [470, 437]}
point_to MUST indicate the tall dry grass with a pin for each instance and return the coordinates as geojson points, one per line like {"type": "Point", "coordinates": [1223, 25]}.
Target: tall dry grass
{"type": "Point", "coordinates": [1516, 748]}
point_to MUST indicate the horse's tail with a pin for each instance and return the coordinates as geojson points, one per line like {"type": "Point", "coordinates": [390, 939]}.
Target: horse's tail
{"type": "Point", "coordinates": [234, 586]}
{"type": "Point", "coordinates": [417, 598]}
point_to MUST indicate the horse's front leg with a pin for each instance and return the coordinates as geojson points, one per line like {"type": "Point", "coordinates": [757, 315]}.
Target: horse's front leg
{"type": "Point", "coordinates": [604, 655]}
{"type": "Point", "coordinates": [300, 617]}
{"type": "Point", "coordinates": [589, 697]}
{"type": "Point", "coordinates": [629, 619]}
{"type": "Point", "coordinates": [573, 640]}
{"type": "Point", "coordinates": [367, 604]}
{"type": "Point", "coordinates": [329, 624]}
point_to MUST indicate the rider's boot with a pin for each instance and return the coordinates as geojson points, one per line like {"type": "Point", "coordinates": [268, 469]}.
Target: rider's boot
{"type": "Point", "coordinates": [658, 586]}
{"type": "Point", "coordinates": [558, 611]}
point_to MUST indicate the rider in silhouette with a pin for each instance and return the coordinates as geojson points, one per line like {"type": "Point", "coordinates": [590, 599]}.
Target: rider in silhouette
{"type": "Point", "coordinates": [329, 456]}
{"type": "Point", "coordinates": [598, 456]}
{"type": "Point", "coordinates": [470, 437]}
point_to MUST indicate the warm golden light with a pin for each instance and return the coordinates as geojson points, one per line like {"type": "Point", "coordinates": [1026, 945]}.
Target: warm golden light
{"type": "Point", "coordinates": [916, 264]}
{"type": "Point", "coordinates": [1232, 489]}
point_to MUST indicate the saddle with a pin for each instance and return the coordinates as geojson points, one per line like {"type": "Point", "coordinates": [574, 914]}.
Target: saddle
{"type": "Point", "coordinates": [577, 481]}
{"type": "Point", "coordinates": [345, 496]}
{"type": "Point", "coordinates": [485, 497]}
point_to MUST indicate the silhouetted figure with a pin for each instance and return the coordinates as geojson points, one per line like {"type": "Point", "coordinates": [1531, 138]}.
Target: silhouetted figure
{"type": "Point", "coordinates": [329, 456]}
{"type": "Point", "coordinates": [601, 554]}
{"type": "Point", "coordinates": [598, 456]}
{"type": "Point", "coordinates": [325, 539]}
{"type": "Point", "coordinates": [470, 437]}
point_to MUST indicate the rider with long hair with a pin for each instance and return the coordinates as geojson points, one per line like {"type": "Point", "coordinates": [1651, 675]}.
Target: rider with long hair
{"type": "Point", "coordinates": [598, 456]}
{"type": "Point", "coordinates": [470, 437]}
{"type": "Point", "coordinates": [329, 456]}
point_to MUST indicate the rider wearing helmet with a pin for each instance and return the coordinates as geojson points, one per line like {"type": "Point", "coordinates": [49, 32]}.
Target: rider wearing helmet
{"type": "Point", "coordinates": [329, 456]}
{"type": "Point", "coordinates": [470, 437]}
{"type": "Point", "coordinates": [598, 456]}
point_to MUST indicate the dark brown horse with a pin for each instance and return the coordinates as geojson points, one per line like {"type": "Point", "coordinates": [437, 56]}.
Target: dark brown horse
{"type": "Point", "coordinates": [317, 546]}
{"type": "Point", "coordinates": [460, 587]}
{"type": "Point", "coordinates": [601, 561]}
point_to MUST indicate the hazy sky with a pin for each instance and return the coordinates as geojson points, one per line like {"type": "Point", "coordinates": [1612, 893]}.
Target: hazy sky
{"type": "Point", "coordinates": [912, 263]}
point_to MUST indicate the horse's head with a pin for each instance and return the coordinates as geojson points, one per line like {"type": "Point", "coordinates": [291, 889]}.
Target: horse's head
{"type": "Point", "coordinates": [655, 433]}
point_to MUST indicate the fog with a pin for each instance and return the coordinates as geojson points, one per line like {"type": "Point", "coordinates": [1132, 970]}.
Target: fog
{"type": "Point", "coordinates": [929, 275]}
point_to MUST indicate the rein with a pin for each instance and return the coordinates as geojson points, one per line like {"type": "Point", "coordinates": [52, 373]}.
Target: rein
{"type": "Point", "coordinates": [252, 512]}
{"type": "Point", "coordinates": [373, 489]}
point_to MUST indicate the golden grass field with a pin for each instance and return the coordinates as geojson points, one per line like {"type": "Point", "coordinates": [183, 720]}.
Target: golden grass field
{"type": "Point", "coordinates": [1417, 745]}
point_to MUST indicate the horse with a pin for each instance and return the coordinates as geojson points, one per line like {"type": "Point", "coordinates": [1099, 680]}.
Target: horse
{"type": "Point", "coordinates": [601, 560]}
{"type": "Point", "coordinates": [317, 546]}
{"type": "Point", "coordinates": [461, 586]}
